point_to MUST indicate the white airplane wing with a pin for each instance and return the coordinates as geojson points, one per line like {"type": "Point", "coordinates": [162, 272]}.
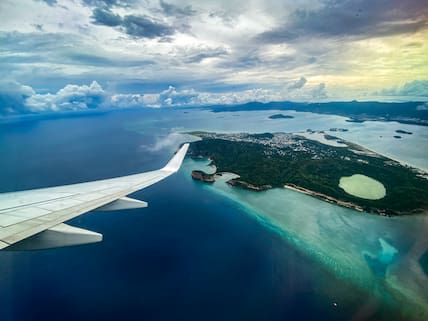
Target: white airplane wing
{"type": "Point", "coordinates": [34, 219]}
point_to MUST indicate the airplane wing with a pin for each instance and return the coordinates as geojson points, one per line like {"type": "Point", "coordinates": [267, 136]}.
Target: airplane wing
{"type": "Point", "coordinates": [34, 219]}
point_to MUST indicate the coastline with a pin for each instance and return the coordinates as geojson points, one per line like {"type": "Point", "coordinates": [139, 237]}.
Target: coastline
{"type": "Point", "coordinates": [335, 201]}
{"type": "Point", "coordinates": [235, 182]}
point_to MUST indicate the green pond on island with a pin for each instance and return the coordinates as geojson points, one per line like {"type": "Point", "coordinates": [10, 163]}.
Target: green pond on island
{"type": "Point", "coordinates": [362, 186]}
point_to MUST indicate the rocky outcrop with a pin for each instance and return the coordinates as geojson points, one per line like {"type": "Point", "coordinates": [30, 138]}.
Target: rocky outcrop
{"type": "Point", "coordinates": [203, 177]}
{"type": "Point", "coordinates": [239, 183]}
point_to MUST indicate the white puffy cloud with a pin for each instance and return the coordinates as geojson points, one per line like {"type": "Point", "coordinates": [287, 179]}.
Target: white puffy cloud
{"type": "Point", "coordinates": [171, 142]}
{"type": "Point", "coordinates": [16, 98]}
{"type": "Point", "coordinates": [13, 96]}
{"type": "Point", "coordinates": [298, 91]}
{"type": "Point", "coordinates": [128, 100]}
{"type": "Point", "coordinates": [71, 97]}
{"type": "Point", "coordinates": [172, 97]}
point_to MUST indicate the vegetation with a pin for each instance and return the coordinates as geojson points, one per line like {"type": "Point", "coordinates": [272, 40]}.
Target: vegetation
{"type": "Point", "coordinates": [280, 116]}
{"type": "Point", "coordinates": [318, 168]}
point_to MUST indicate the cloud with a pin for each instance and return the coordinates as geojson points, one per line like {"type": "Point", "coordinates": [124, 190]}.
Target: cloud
{"type": "Point", "coordinates": [225, 16]}
{"type": "Point", "coordinates": [38, 26]}
{"type": "Point", "coordinates": [174, 10]}
{"type": "Point", "coordinates": [131, 100]}
{"type": "Point", "coordinates": [415, 88]}
{"type": "Point", "coordinates": [359, 19]}
{"type": "Point", "coordinates": [13, 96]}
{"type": "Point", "coordinates": [178, 98]}
{"type": "Point", "coordinates": [206, 53]}
{"type": "Point", "coordinates": [319, 92]}
{"type": "Point", "coordinates": [170, 142]}
{"type": "Point", "coordinates": [71, 97]}
{"type": "Point", "coordinates": [297, 84]}
{"type": "Point", "coordinates": [109, 3]}
{"type": "Point", "coordinates": [16, 98]}
{"type": "Point", "coordinates": [139, 26]}
{"type": "Point", "coordinates": [172, 97]}
{"type": "Point", "coordinates": [105, 17]}
{"type": "Point", "coordinates": [49, 2]}
{"type": "Point", "coordinates": [145, 27]}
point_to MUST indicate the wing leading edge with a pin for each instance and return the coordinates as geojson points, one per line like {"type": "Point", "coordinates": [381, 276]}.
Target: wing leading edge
{"type": "Point", "coordinates": [27, 213]}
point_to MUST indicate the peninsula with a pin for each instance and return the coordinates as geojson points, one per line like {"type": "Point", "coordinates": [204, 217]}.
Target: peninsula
{"type": "Point", "coordinates": [331, 169]}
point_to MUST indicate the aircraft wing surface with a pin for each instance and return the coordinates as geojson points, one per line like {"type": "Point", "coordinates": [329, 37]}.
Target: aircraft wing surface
{"type": "Point", "coordinates": [34, 219]}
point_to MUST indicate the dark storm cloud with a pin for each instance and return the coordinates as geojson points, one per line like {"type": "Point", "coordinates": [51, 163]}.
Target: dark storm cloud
{"type": "Point", "coordinates": [359, 19]}
{"type": "Point", "coordinates": [145, 27]}
{"type": "Point", "coordinates": [105, 17]}
{"type": "Point", "coordinates": [137, 26]}
{"type": "Point", "coordinates": [173, 10]}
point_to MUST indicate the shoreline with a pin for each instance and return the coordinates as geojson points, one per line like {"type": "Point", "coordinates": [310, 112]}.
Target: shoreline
{"type": "Point", "coordinates": [335, 201]}
{"type": "Point", "coordinates": [235, 182]}
{"type": "Point", "coordinates": [204, 177]}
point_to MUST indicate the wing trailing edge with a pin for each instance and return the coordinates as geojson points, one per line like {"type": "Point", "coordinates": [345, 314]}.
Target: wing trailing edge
{"type": "Point", "coordinates": [58, 236]}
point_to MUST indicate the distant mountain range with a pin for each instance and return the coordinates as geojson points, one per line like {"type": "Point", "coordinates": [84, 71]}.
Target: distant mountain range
{"type": "Point", "coordinates": [403, 112]}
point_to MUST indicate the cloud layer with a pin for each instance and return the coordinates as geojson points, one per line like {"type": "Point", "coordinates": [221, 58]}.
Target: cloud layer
{"type": "Point", "coordinates": [208, 51]}
{"type": "Point", "coordinates": [16, 98]}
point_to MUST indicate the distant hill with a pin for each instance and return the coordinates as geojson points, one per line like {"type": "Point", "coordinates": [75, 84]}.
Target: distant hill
{"type": "Point", "coordinates": [405, 112]}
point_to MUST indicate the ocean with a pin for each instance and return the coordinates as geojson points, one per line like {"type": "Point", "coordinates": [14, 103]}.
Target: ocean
{"type": "Point", "coordinates": [202, 252]}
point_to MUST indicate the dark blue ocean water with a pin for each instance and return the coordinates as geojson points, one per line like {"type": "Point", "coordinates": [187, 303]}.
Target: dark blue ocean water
{"type": "Point", "coordinates": [191, 255]}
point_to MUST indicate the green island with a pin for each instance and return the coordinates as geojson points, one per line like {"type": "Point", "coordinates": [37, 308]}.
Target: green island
{"type": "Point", "coordinates": [332, 169]}
{"type": "Point", "coordinates": [280, 116]}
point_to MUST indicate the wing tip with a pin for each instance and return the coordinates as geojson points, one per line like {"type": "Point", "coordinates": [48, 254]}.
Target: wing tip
{"type": "Point", "coordinates": [175, 163]}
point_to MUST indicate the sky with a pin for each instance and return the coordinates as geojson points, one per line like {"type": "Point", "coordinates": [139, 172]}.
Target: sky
{"type": "Point", "coordinates": [82, 54]}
